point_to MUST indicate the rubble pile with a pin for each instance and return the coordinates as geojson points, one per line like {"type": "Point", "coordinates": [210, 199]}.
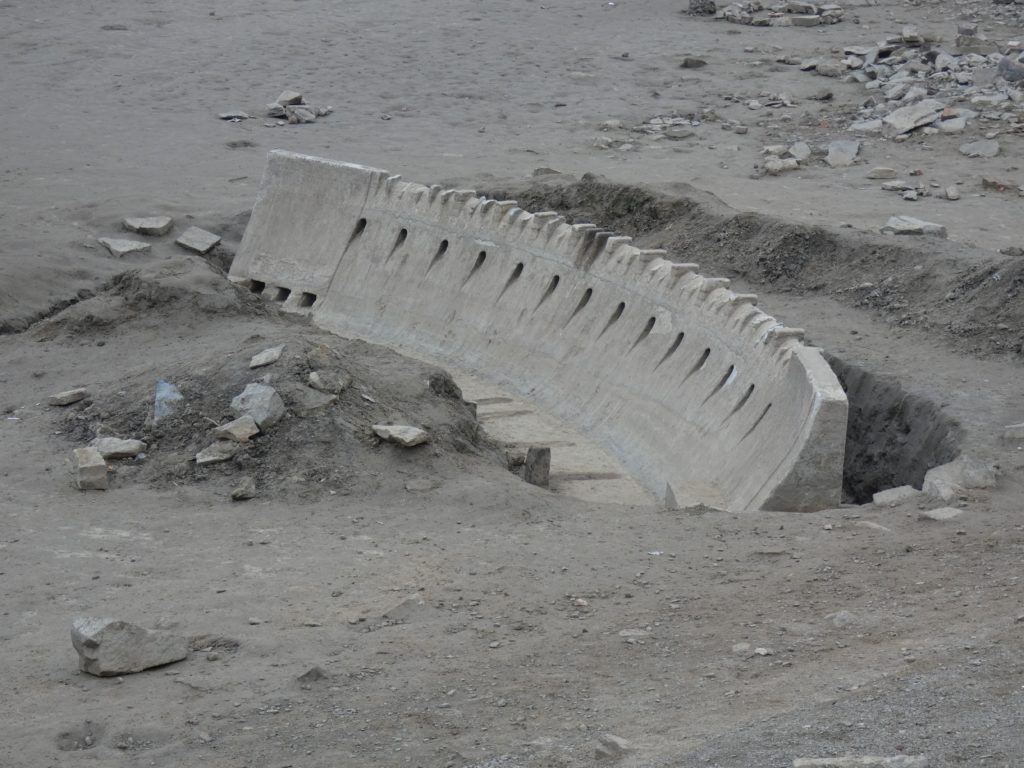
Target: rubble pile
{"type": "Point", "coordinates": [793, 13]}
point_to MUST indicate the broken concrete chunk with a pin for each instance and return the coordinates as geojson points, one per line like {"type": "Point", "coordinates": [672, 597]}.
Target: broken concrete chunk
{"type": "Point", "coordinates": [245, 490]}
{"type": "Point", "coordinates": [198, 240]}
{"type": "Point", "coordinates": [289, 97]}
{"type": "Point", "coordinates": [266, 357]}
{"type": "Point", "coordinates": [108, 647]}
{"type": "Point", "coordinates": [537, 470]}
{"type": "Point", "coordinates": [403, 435]}
{"type": "Point", "coordinates": [90, 469]}
{"type": "Point", "coordinates": [149, 225]}
{"type": "Point", "coordinates": [119, 247]}
{"type": "Point", "coordinates": [895, 495]}
{"type": "Point", "coordinates": [217, 452]}
{"type": "Point", "coordinates": [906, 119]}
{"type": "Point", "coordinates": [842, 153]}
{"type": "Point", "coordinates": [982, 148]}
{"type": "Point", "coordinates": [907, 225]}
{"type": "Point", "coordinates": [116, 448]}
{"type": "Point", "coordinates": [68, 397]}
{"type": "Point", "coordinates": [896, 761]}
{"type": "Point", "coordinates": [333, 383]}
{"type": "Point", "coordinates": [239, 430]}
{"type": "Point", "coordinates": [940, 515]}
{"type": "Point", "coordinates": [261, 402]}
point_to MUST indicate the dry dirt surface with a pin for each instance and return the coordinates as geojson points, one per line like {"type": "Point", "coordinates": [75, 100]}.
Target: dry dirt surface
{"type": "Point", "coordinates": [374, 605]}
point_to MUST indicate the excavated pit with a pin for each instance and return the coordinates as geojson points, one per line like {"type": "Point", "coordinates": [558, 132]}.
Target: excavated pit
{"type": "Point", "coordinates": [893, 437]}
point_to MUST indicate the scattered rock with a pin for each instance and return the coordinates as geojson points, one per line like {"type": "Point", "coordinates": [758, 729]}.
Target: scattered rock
{"type": "Point", "coordinates": [703, 7]}
{"type": "Point", "coordinates": [234, 115]}
{"type": "Point", "coordinates": [68, 397]}
{"type": "Point", "coordinates": [333, 383]}
{"type": "Point", "coordinates": [289, 97]}
{"type": "Point", "coordinates": [116, 448]}
{"type": "Point", "coordinates": [90, 469]}
{"type": "Point", "coordinates": [266, 357]}
{"type": "Point", "coordinates": [120, 247]}
{"type": "Point", "coordinates": [779, 165]}
{"type": "Point", "coordinates": [867, 126]}
{"type": "Point", "coordinates": [692, 62]}
{"type": "Point", "coordinates": [906, 119]}
{"type": "Point", "coordinates": [906, 225]}
{"type": "Point", "coordinates": [304, 402]}
{"type": "Point", "coordinates": [982, 148]}
{"type": "Point", "coordinates": [881, 172]}
{"type": "Point", "coordinates": [313, 675]}
{"type": "Point", "coordinates": [1011, 69]}
{"type": "Point", "coordinates": [940, 515]}
{"type": "Point", "coordinates": [611, 747]}
{"type": "Point", "coordinates": [537, 470]}
{"type": "Point", "coordinates": [198, 240]}
{"type": "Point", "coordinates": [997, 185]}
{"type": "Point", "coordinates": [261, 402]}
{"type": "Point", "coordinates": [149, 225]}
{"type": "Point", "coordinates": [800, 151]}
{"type": "Point", "coordinates": [166, 401]}
{"type": "Point", "coordinates": [842, 153]}
{"type": "Point", "coordinates": [893, 496]}
{"type": "Point", "coordinates": [217, 452]}
{"type": "Point", "coordinates": [947, 481]}
{"type": "Point", "coordinates": [952, 192]}
{"type": "Point", "coordinates": [405, 436]}
{"type": "Point", "coordinates": [239, 430]}
{"type": "Point", "coordinates": [108, 647]}
{"type": "Point", "coordinates": [245, 490]}
{"type": "Point", "coordinates": [898, 761]}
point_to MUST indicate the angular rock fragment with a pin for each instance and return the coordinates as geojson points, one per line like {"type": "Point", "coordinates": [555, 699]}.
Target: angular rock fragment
{"type": "Point", "coordinates": [304, 402]}
{"type": "Point", "coordinates": [881, 172]}
{"type": "Point", "coordinates": [108, 647]}
{"type": "Point", "coordinates": [90, 469]}
{"type": "Point", "coordinates": [906, 119]}
{"type": "Point", "coordinates": [245, 490]}
{"type": "Point", "coordinates": [217, 452]}
{"type": "Point", "coordinates": [403, 435]}
{"type": "Point", "coordinates": [842, 153]}
{"type": "Point", "coordinates": [537, 470]}
{"type": "Point", "coordinates": [239, 430]}
{"type": "Point", "coordinates": [120, 247]}
{"type": "Point", "coordinates": [895, 495]}
{"type": "Point", "coordinates": [117, 448]}
{"type": "Point", "coordinates": [940, 515]}
{"type": "Point", "coordinates": [261, 402]}
{"type": "Point", "coordinates": [907, 225]}
{"type": "Point", "coordinates": [611, 747]}
{"type": "Point", "coordinates": [947, 481]}
{"type": "Point", "coordinates": [289, 97]}
{"type": "Point", "coordinates": [198, 240]}
{"type": "Point", "coordinates": [331, 382]}
{"type": "Point", "coordinates": [982, 148]}
{"type": "Point", "coordinates": [266, 357]}
{"type": "Point", "coordinates": [149, 225]}
{"type": "Point", "coordinates": [68, 397]}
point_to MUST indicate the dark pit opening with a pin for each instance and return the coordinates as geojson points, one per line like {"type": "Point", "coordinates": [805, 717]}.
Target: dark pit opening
{"type": "Point", "coordinates": [893, 437]}
{"type": "Point", "coordinates": [307, 300]}
{"type": "Point", "coordinates": [257, 286]}
{"type": "Point", "coordinates": [282, 294]}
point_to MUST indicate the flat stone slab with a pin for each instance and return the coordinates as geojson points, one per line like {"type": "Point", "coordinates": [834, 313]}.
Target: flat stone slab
{"type": "Point", "coordinates": [982, 148]}
{"type": "Point", "coordinates": [405, 436]}
{"type": "Point", "coordinates": [149, 225]}
{"type": "Point", "coordinates": [68, 397]}
{"type": "Point", "coordinates": [906, 119]}
{"type": "Point", "coordinates": [90, 469]}
{"type": "Point", "coordinates": [842, 153]}
{"type": "Point", "coordinates": [121, 247]}
{"type": "Point", "coordinates": [217, 452]}
{"type": "Point", "coordinates": [116, 448]}
{"type": "Point", "coordinates": [108, 647]}
{"type": "Point", "coordinates": [907, 225]}
{"type": "Point", "coordinates": [895, 495]}
{"type": "Point", "coordinates": [261, 402]}
{"type": "Point", "coordinates": [240, 430]}
{"type": "Point", "coordinates": [881, 172]}
{"type": "Point", "coordinates": [940, 515]}
{"type": "Point", "coordinates": [305, 401]}
{"type": "Point", "coordinates": [198, 240]}
{"type": "Point", "coordinates": [266, 357]}
{"type": "Point", "coordinates": [330, 382]}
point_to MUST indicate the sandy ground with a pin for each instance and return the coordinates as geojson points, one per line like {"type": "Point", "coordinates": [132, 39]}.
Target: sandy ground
{"type": "Point", "coordinates": [473, 620]}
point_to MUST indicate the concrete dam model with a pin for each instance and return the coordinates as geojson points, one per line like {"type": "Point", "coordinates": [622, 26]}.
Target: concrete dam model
{"type": "Point", "coordinates": [704, 397]}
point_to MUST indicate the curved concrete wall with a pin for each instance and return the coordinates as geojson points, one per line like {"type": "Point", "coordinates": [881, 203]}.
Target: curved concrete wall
{"type": "Point", "coordinates": [702, 395]}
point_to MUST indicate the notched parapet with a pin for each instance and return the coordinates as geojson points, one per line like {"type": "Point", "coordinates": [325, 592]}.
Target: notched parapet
{"type": "Point", "coordinates": [690, 384]}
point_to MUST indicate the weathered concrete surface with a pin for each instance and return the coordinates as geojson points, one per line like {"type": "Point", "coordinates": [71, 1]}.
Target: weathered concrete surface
{"type": "Point", "coordinates": [688, 383]}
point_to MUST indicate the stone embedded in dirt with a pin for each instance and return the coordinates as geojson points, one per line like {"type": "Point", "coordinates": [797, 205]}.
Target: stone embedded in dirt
{"type": "Point", "coordinates": [910, 194]}
{"type": "Point", "coordinates": [149, 225]}
{"type": "Point", "coordinates": [611, 747]}
{"type": "Point", "coordinates": [898, 185]}
{"type": "Point", "coordinates": [800, 151]}
{"type": "Point", "coordinates": [261, 402]}
{"type": "Point", "coordinates": [233, 114]}
{"type": "Point", "coordinates": [881, 172]}
{"type": "Point", "coordinates": [217, 452]}
{"type": "Point", "coordinates": [407, 609]}
{"type": "Point", "coordinates": [947, 481]}
{"type": "Point", "coordinates": [117, 448]}
{"type": "Point", "coordinates": [68, 397]}
{"type": "Point", "coordinates": [266, 357]}
{"type": "Point", "coordinates": [906, 225]}
{"type": "Point", "coordinates": [121, 247]}
{"type": "Point", "coordinates": [1013, 432]}
{"type": "Point", "coordinates": [692, 62]}
{"type": "Point", "coordinates": [245, 490]}
{"type": "Point", "coordinates": [892, 496]}
{"type": "Point", "coordinates": [403, 435]}
{"type": "Point", "coordinates": [304, 402]}
{"type": "Point", "coordinates": [842, 153]}
{"type": "Point", "coordinates": [953, 125]}
{"type": "Point", "coordinates": [940, 515]}
{"type": "Point", "coordinates": [198, 240]}
{"type": "Point", "coordinates": [90, 469]}
{"type": "Point", "coordinates": [982, 148]}
{"type": "Point", "coordinates": [239, 430]}
{"type": "Point", "coordinates": [288, 98]}
{"type": "Point", "coordinates": [331, 382]}
{"type": "Point", "coordinates": [842, 619]}
{"type": "Point", "coordinates": [952, 192]}
{"type": "Point", "coordinates": [108, 647]}
{"type": "Point", "coordinates": [896, 761]}
{"type": "Point", "coordinates": [997, 185]}
{"type": "Point", "coordinates": [313, 675]}
{"type": "Point", "coordinates": [906, 119]}
{"type": "Point", "coordinates": [166, 401]}
{"type": "Point", "coordinates": [779, 165]}
{"type": "Point", "coordinates": [703, 7]}
{"type": "Point", "coordinates": [537, 469]}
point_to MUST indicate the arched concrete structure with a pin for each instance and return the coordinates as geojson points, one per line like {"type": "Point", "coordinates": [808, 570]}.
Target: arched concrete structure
{"type": "Point", "coordinates": [701, 394]}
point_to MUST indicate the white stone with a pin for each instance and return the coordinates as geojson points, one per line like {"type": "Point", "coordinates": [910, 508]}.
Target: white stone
{"type": "Point", "coordinates": [266, 357]}
{"type": "Point", "coordinates": [217, 452]}
{"type": "Point", "coordinates": [239, 430]}
{"type": "Point", "coordinates": [198, 240]}
{"type": "Point", "coordinates": [842, 153]}
{"type": "Point", "coordinates": [68, 397]}
{"type": "Point", "coordinates": [109, 647]}
{"type": "Point", "coordinates": [149, 225]}
{"type": "Point", "coordinates": [120, 247]}
{"type": "Point", "coordinates": [895, 495]}
{"type": "Point", "coordinates": [940, 515]}
{"type": "Point", "coordinates": [913, 116]}
{"type": "Point", "coordinates": [261, 402]}
{"type": "Point", "coordinates": [907, 225]}
{"type": "Point", "coordinates": [117, 448]}
{"type": "Point", "coordinates": [405, 436]}
{"type": "Point", "coordinates": [90, 469]}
